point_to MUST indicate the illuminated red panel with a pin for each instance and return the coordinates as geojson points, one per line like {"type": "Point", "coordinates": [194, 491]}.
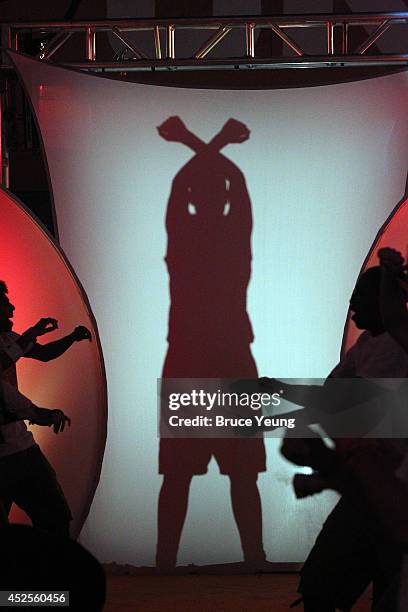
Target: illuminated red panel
{"type": "Point", "coordinates": [393, 234]}
{"type": "Point", "coordinates": [41, 283]}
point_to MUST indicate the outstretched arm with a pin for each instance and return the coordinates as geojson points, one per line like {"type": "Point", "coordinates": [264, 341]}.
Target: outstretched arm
{"type": "Point", "coordinates": [10, 353]}
{"type": "Point", "coordinates": [49, 418]}
{"type": "Point", "coordinates": [174, 130]}
{"type": "Point", "coordinates": [18, 408]}
{"type": "Point", "coordinates": [52, 350]}
{"type": "Point", "coordinates": [334, 397]}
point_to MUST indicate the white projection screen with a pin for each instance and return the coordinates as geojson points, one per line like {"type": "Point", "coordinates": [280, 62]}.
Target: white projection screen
{"type": "Point", "coordinates": [324, 168]}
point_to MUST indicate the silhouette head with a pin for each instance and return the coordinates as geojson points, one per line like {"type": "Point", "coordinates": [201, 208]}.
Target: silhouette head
{"type": "Point", "coordinates": [6, 309]}
{"type": "Point", "coordinates": [364, 302]}
{"type": "Point", "coordinates": [208, 188]}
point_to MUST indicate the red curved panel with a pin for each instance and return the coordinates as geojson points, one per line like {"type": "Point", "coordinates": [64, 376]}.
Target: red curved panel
{"type": "Point", "coordinates": [41, 283]}
{"type": "Point", "coordinates": [393, 234]}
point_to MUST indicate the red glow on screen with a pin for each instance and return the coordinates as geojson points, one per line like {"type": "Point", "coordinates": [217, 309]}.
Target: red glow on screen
{"type": "Point", "coordinates": [394, 234]}
{"type": "Point", "coordinates": [40, 284]}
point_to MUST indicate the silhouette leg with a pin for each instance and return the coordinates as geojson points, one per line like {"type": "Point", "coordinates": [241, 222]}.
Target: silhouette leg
{"type": "Point", "coordinates": [318, 604]}
{"type": "Point", "coordinates": [340, 565]}
{"type": "Point", "coordinates": [5, 506]}
{"type": "Point", "coordinates": [246, 505]}
{"type": "Point", "coordinates": [39, 494]}
{"type": "Point", "coordinates": [172, 510]}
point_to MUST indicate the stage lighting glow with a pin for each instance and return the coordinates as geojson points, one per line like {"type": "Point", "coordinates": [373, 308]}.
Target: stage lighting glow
{"type": "Point", "coordinates": [41, 284]}
{"type": "Point", "coordinates": [323, 168]}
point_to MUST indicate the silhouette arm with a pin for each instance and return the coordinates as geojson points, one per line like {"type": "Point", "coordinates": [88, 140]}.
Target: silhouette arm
{"type": "Point", "coordinates": [193, 142]}
{"type": "Point", "coordinates": [19, 408]}
{"type": "Point", "coordinates": [239, 199]}
{"type": "Point", "coordinates": [174, 130]}
{"type": "Point", "coordinates": [12, 350]}
{"type": "Point", "coordinates": [47, 418]}
{"type": "Point", "coordinates": [335, 396]}
{"type": "Point", "coordinates": [177, 207]}
{"type": "Point", "coordinates": [53, 350]}
{"type": "Point", "coordinates": [199, 146]}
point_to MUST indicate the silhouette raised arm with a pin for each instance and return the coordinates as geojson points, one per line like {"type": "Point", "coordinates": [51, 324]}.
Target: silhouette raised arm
{"type": "Point", "coordinates": [232, 132]}
{"type": "Point", "coordinates": [197, 177]}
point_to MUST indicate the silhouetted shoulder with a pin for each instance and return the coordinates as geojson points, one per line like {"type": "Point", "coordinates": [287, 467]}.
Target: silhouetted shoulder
{"type": "Point", "coordinates": [206, 164]}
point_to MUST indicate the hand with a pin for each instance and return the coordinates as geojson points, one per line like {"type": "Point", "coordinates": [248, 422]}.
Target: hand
{"type": "Point", "coordinates": [173, 129]}
{"type": "Point", "coordinates": [58, 420]}
{"type": "Point", "coordinates": [45, 417]}
{"type": "Point", "coordinates": [43, 326]}
{"type": "Point", "coordinates": [235, 132]}
{"type": "Point", "coordinates": [82, 333]}
{"type": "Point", "coordinates": [296, 450]}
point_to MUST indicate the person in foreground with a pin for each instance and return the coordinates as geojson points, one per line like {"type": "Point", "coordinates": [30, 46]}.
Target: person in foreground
{"type": "Point", "coordinates": [364, 536]}
{"type": "Point", "coordinates": [61, 571]}
{"type": "Point", "coordinates": [26, 477]}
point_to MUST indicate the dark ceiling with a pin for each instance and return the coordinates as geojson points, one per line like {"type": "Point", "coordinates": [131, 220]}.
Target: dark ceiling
{"type": "Point", "coordinates": [29, 10]}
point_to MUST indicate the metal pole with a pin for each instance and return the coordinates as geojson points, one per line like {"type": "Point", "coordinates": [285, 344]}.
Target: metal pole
{"type": "Point", "coordinates": [170, 41]}
{"type": "Point", "coordinates": [330, 38]}
{"type": "Point", "coordinates": [90, 44]}
{"type": "Point", "coordinates": [129, 44]}
{"type": "Point", "coordinates": [4, 160]}
{"type": "Point", "coordinates": [250, 39]}
{"type": "Point", "coordinates": [157, 43]}
{"type": "Point", "coordinates": [374, 37]}
{"type": "Point", "coordinates": [54, 45]}
{"type": "Point", "coordinates": [13, 39]}
{"type": "Point", "coordinates": [344, 39]}
{"type": "Point", "coordinates": [212, 42]}
{"type": "Point", "coordinates": [283, 36]}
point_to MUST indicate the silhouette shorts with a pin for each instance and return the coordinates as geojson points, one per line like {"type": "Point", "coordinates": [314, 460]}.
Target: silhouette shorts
{"type": "Point", "coordinates": [211, 358]}
{"type": "Point", "coordinates": [192, 456]}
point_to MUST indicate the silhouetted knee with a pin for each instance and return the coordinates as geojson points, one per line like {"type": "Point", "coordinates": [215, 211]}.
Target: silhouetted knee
{"type": "Point", "coordinates": [244, 484]}
{"type": "Point", "coordinates": [177, 482]}
{"type": "Point", "coordinates": [318, 603]}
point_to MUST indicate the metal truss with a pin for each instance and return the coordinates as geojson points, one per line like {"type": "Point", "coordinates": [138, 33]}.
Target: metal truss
{"type": "Point", "coordinates": [334, 32]}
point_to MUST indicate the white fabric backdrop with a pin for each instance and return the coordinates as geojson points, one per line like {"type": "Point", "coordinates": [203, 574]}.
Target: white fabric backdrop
{"type": "Point", "coordinates": [324, 167]}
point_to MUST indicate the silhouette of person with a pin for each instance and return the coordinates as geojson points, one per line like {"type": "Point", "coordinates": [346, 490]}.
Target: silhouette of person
{"type": "Point", "coordinates": [26, 477]}
{"type": "Point", "coordinates": [14, 406]}
{"type": "Point", "coordinates": [354, 548]}
{"type": "Point", "coordinates": [209, 224]}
